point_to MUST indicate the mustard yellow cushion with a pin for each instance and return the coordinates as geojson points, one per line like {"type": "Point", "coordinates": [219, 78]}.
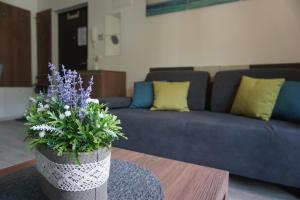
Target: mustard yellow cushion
{"type": "Point", "coordinates": [170, 96]}
{"type": "Point", "coordinates": [256, 97]}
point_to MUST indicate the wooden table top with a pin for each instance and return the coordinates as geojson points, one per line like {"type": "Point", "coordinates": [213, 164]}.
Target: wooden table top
{"type": "Point", "coordinates": [179, 180]}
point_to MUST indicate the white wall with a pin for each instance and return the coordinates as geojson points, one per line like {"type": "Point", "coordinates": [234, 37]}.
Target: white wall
{"type": "Point", "coordinates": [238, 33]}
{"type": "Point", "coordinates": [13, 102]}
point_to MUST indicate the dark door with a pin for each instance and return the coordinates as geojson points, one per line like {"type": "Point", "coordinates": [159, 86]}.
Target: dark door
{"type": "Point", "coordinates": [73, 39]}
{"type": "Point", "coordinates": [15, 46]}
{"type": "Point", "coordinates": [43, 23]}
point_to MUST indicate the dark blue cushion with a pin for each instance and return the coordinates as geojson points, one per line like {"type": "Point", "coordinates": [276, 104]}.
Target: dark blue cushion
{"type": "Point", "coordinates": [288, 103]}
{"type": "Point", "coordinates": [143, 95]}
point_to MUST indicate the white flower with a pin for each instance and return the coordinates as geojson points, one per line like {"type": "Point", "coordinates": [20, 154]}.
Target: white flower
{"type": "Point", "coordinates": [43, 127]}
{"type": "Point", "coordinates": [111, 133]}
{"type": "Point", "coordinates": [32, 99]}
{"type": "Point", "coordinates": [89, 100]}
{"type": "Point", "coordinates": [42, 134]}
{"type": "Point", "coordinates": [96, 101]}
{"type": "Point", "coordinates": [40, 109]}
{"type": "Point", "coordinates": [46, 106]}
{"type": "Point", "coordinates": [101, 115]}
{"type": "Point", "coordinates": [67, 107]}
{"type": "Point", "coordinates": [61, 116]}
{"type": "Point", "coordinates": [68, 113]}
{"type": "Point", "coordinates": [105, 124]}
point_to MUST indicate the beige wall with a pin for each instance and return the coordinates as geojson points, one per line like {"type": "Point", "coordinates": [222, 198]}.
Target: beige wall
{"type": "Point", "coordinates": [245, 32]}
{"type": "Point", "coordinates": [239, 33]}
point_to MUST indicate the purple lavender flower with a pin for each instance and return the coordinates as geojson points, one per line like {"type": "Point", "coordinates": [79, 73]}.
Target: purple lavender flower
{"type": "Point", "coordinates": [68, 88]}
{"type": "Point", "coordinates": [85, 93]}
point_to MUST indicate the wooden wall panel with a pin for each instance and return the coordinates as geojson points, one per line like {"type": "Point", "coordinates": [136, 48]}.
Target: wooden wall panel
{"type": "Point", "coordinates": [15, 46]}
{"type": "Point", "coordinates": [106, 83]}
{"type": "Point", "coordinates": [5, 60]}
{"type": "Point", "coordinates": [113, 84]}
{"type": "Point", "coordinates": [43, 24]}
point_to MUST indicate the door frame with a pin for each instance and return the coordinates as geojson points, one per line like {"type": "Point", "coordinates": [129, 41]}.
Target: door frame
{"type": "Point", "coordinates": [42, 69]}
{"type": "Point", "coordinates": [56, 35]}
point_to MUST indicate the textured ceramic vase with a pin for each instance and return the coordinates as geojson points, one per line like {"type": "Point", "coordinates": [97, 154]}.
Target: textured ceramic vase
{"type": "Point", "coordinates": [62, 178]}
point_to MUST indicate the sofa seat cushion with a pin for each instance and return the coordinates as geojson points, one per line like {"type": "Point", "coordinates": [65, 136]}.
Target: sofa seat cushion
{"type": "Point", "coordinates": [199, 118]}
{"type": "Point", "coordinates": [154, 132]}
{"type": "Point", "coordinates": [244, 146]}
{"type": "Point", "coordinates": [169, 133]}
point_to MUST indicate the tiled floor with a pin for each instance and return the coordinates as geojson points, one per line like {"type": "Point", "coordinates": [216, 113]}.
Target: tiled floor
{"type": "Point", "coordinates": [13, 150]}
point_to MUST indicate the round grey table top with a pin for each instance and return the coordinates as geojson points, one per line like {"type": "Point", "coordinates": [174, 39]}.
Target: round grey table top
{"type": "Point", "coordinates": [127, 181]}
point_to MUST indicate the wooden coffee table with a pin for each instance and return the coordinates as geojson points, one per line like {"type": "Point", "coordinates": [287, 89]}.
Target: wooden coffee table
{"type": "Point", "coordinates": [179, 180]}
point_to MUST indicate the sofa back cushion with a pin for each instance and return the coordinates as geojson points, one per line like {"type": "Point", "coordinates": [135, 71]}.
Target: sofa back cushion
{"type": "Point", "coordinates": [226, 83]}
{"type": "Point", "coordinates": [198, 84]}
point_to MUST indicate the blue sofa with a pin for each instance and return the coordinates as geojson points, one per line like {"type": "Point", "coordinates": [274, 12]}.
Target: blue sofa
{"type": "Point", "coordinates": [209, 135]}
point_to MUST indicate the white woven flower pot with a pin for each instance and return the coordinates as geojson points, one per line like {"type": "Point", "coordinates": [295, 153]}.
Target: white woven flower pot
{"type": "Point", "coordinates": [63, 179]}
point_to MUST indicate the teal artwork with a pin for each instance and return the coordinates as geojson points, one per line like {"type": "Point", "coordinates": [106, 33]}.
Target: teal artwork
{"type": "Point", "coordinates": [157, 7]}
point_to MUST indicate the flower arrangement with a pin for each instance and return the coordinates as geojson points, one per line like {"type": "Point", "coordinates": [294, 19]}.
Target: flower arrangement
{"type": "Point", "coordinates": [67, 120]}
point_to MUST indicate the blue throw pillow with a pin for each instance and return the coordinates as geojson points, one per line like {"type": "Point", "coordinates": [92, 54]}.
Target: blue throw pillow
{"type": "Point", "coordinates": [288, 103]}
{"type": "Point", "coordinates": [142, 95]}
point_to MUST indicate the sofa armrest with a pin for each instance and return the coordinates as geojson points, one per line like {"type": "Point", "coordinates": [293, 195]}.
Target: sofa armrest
{"type": "Point", "coordinates": [116, 102]}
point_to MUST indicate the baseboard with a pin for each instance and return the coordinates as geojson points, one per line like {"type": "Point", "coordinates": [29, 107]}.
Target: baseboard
{"type": "Point", "coordinates": [10, 118]}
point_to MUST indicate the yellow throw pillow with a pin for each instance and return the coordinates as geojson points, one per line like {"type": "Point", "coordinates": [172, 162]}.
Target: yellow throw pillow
{"type": "Point", "coordinates": [256, 97]}
{"type": "Point", "coordinates": [171, 96]}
